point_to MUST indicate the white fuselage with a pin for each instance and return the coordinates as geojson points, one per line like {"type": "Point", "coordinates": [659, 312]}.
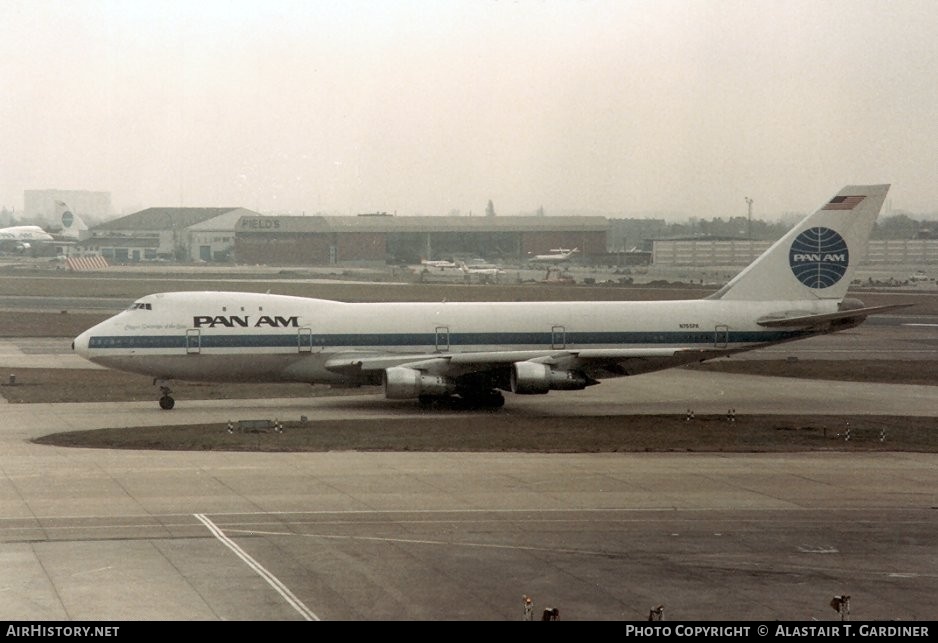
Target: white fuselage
{"type": "Point", "coordinates": [227, 336]}
{"type": "Point", "coordinates": [557, 255]}
{"type": "Point", "coordinates": [24, 233]}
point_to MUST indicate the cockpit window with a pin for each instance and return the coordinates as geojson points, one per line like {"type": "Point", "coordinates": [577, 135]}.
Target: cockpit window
{"type": "Point", "coordinates": [141, 306]}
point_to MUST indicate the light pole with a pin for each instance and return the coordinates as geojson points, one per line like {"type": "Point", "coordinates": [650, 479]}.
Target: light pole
{"type": "Point", "coordinates": [749, 203]}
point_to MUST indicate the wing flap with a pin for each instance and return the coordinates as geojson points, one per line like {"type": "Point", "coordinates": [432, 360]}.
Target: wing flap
{"type": "Point", "coordinates": [598, 362]}
{"type": "Point", "coordinates": [354, 364]}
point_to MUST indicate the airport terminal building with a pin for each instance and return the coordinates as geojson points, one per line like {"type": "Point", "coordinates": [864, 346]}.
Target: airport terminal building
{"type": "Point", "coordinates": [741, 252]}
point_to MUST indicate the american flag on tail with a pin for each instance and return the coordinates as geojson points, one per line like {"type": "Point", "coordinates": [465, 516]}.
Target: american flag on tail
{"type": "Point", "coordinates": [843, 202]}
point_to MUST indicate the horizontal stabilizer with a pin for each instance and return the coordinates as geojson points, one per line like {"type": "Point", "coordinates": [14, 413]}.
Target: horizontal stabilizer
{"type": "Point", "coordinates": [800, 319]}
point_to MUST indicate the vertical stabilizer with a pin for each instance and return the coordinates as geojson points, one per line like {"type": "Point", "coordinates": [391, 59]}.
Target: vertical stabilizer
{"type": "Point", "coordinates": [818, 257]}
{"type": "Point", "coordinates": [72, 225]}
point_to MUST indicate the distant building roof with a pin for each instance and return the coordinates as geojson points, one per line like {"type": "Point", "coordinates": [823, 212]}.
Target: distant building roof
{"type": "Point", "coordinates": [166, 218]}
{"type": "Point", "coordinates": [120, 242]}
{"type": "Point", "coordinates": [324, 224]}
{"type": "Point", "coordinates": [226, 221]}
{"type": "Point", "coordinates": [704, 237]}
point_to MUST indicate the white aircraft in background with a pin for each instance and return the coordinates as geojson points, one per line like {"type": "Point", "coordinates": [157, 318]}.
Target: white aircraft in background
{"type": "Point", "coordinates": [557, 255]}
{"type": "Point", "coordinates": [473, 350]}
{"type": "Point", "coordinates": [442, 264]}
{"type": "Point", "coordinates": [21, 237]}
{"type": "Point", "coordinates": [480, 269]}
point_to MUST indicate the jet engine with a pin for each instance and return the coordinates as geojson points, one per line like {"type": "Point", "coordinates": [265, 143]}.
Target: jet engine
{"type": "Point", "coordinates": [534, 378]}
{"type": "Point", "coordinates": [402, 383]}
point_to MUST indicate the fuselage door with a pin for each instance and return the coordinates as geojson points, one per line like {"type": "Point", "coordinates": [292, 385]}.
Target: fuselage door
{"type": "Point", "coordinates": [721, 336]}
{"type": "Point", "coordinates": [304, 340]}
{"type": "Point", "coordinates": [558, 337]}
{"type": "Point", "coordinates": [193, 341]}
{"type": "Point", "coordinates": [442, 339]}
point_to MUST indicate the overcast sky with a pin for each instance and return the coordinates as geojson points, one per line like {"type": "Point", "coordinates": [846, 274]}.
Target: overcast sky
{"type": "Point", "coordinates": [627, 108]}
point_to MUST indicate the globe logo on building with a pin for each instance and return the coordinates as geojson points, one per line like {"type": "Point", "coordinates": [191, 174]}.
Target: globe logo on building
{"type": "Point", "coordinates": [819, 257]}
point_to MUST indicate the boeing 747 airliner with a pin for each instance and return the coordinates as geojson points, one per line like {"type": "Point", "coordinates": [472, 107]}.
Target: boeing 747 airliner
{"type": "Point", "coordinates": [425, 351]}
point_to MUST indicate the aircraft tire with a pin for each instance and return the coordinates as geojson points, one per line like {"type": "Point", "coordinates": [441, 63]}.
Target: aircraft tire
{"type": "Point", "coordinates": [484, 399]}
{"type": "Point", "coordinates": [429, 401]}
{"type": "Point", "coordinates": [167, 402]}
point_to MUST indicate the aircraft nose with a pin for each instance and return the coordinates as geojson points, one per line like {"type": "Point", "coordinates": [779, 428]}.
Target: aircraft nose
{"type": "Point", "coordinates": [80, 344]}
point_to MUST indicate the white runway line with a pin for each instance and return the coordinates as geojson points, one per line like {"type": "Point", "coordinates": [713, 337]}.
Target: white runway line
{"type": "Point", "coordinates": [272, 580]}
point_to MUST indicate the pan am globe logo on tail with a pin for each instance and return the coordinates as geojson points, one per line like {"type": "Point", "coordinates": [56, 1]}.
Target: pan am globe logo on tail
{"type": "Point", "coordinates": [819, 257]}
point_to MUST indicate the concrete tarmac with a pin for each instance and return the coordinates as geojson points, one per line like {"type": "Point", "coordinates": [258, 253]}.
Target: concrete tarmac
{"type": "Point", "coordinates": [126, 535]}
{"type": "Point", "coordinates": [103, 535]}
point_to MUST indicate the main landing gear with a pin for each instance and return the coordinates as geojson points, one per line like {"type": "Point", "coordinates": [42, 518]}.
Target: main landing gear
{"type": "Point", "coordinates": [483, 399]}
{"type": "Point", "coordinates": [166, 400]}
{"type": "Point", "coordinates": [466, 399]}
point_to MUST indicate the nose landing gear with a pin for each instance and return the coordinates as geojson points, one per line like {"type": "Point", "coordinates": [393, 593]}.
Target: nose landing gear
{"type": "Point", "coordinates": [166, 400]}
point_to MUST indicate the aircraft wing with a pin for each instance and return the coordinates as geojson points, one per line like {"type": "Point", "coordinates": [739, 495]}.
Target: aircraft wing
{"type": "Point", "coordinates": [594, 362]}
{"type": "Point", "coordinates": [616, 362]}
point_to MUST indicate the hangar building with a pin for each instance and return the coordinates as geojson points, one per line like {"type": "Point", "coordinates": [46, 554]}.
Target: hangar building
{"type": "Point", "coordinates": [245, 236]}
{"type": "Point", "coordinates": [167, 233]}
{"type": "Point", "coordinates": [294, 240]}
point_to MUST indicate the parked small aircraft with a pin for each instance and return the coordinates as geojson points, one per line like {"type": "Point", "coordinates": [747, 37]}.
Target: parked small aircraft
{"type": "Point", "coordinates": [557, 255]}
{"type": "Point", "coordinates": [480, 269]}
{"type": "Point", "coordinates": [442, 264]}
